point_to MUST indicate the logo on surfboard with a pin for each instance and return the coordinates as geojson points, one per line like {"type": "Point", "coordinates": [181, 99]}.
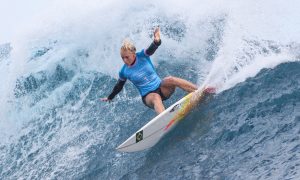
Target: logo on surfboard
{"type": "Point", "coordinates": [139, 136]}
{"type": "Point", "coordinates": [177, 106]}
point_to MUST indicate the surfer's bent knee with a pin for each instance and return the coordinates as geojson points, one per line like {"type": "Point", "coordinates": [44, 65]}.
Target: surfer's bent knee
{"type": "Point", "coordinates": [169, 80]}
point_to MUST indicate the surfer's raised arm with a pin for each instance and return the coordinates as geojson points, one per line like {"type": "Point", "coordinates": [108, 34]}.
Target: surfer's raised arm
{"type": "Point", "coordinates": [154, 45]}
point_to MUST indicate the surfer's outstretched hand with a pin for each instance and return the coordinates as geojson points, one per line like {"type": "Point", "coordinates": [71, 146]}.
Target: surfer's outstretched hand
{"type": "Point", "coordinates": [105, 99]}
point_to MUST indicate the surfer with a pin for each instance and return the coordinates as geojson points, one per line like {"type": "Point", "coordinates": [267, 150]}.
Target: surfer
{"type": "Point", "coordinates": [139, 69]}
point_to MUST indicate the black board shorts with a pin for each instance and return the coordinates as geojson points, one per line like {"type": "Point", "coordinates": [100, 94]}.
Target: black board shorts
{"type": "Point", "coordinates": [157, 91]}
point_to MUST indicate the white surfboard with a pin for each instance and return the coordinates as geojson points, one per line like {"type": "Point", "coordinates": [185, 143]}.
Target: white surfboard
{"type": "Point", "coordinates": [154, 130]}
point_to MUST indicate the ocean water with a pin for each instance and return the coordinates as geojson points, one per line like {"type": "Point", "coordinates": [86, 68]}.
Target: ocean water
{"type": "Point", "coordinates": [53, 125]}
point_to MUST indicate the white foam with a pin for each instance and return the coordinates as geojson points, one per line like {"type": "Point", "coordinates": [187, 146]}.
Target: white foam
{"type": "Point", "coordinates": [253, 27]}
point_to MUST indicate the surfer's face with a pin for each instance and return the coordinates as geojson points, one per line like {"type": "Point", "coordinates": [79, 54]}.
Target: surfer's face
{"type": "Point", "coordinates": [128, 57]}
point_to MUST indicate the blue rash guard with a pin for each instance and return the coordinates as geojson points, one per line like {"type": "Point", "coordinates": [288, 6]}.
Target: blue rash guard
{"type": "Point", "coordinates": [142, 74]}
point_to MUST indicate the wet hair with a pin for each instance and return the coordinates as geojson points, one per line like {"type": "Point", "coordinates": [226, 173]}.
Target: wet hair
{"type": "Point", "coordinates": [128, 45]}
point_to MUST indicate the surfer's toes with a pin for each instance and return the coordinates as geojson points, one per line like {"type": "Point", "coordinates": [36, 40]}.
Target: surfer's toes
{"type": "Point", "coordinates": [210, 90]}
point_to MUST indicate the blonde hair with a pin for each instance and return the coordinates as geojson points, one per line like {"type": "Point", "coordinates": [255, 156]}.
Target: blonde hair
{"type": "Point", "coordinates": [128, 45]}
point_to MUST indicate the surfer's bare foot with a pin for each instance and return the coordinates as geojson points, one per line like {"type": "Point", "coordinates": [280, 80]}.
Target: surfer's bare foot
{"type": "Point", "coordinates": [210, 90]}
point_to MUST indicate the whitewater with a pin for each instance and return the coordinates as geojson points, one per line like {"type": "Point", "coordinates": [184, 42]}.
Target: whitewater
{"type": "Point", "coordinates": [59, 64]}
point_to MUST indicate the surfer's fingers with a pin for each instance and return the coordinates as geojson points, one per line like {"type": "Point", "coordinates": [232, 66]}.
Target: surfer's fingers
{"type": "Point", "coordinates": [156, 31]}
{"type": "Point", "coordinates": [105, 99]}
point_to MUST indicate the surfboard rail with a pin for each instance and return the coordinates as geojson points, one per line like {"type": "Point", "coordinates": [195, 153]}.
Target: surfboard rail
{"type": "Point", "coordinates": [154, 130]}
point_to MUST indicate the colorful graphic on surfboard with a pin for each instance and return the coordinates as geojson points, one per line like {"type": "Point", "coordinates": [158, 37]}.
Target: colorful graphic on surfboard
{"type": "Point", "coordinates": [154, 130]}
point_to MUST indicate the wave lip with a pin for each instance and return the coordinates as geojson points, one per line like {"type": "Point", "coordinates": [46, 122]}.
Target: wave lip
{"type": "Point", "coordinates": [5, 50]}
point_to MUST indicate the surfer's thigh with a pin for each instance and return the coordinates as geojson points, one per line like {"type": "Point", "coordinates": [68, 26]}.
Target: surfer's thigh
{"type": "Point", "coordinates": [151, 99]}
{"type": "Point", "coordinates": [167, 86]}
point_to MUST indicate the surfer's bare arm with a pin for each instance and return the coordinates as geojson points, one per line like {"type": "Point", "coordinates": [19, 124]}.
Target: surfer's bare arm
{"type": "Point", "coordinates": [156, 42]}
{"type": "Point", "coordinates": [118, 87]}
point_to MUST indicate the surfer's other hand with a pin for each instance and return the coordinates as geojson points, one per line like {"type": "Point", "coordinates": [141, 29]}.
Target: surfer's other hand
{"type": "Point", "coordinates": [105, 99]}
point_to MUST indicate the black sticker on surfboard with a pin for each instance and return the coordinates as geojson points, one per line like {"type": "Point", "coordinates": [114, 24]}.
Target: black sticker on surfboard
{"type": "Point", "coordinates": [139, 136]}
{"type": "Point", "coordinates": [177, 106]}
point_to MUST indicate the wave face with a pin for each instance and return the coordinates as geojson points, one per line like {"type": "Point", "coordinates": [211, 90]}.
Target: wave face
{"type": "Point", "coordinates": [249, 131]}
{"type": "Point", "coordinates": [53, 126]}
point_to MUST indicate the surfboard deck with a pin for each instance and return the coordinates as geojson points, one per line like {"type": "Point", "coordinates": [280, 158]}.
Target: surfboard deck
{"type": "Point", "coordinates": [155, 129]}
